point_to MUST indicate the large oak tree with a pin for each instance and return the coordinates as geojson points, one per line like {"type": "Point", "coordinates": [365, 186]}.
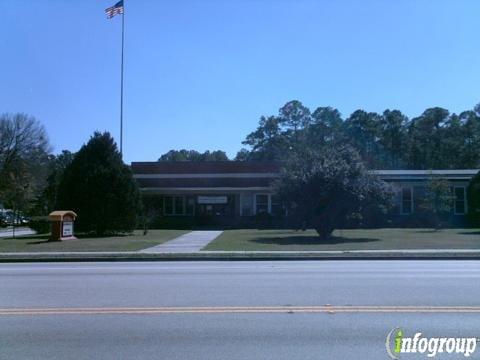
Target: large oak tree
{"type": "Point", "coordinates": [324, 187]}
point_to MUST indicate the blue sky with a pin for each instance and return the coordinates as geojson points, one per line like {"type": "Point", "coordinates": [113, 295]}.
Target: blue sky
{"type": "Point", "coordinates": [199, 73]}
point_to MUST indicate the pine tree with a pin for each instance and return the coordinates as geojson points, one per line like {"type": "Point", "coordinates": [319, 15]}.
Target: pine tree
{"type": "Point", "coordinates": [100, 188]}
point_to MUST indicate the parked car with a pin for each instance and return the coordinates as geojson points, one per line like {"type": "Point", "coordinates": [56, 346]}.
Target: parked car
{"type": "Point", "coordinates": [8, 218]}
{"type": "Point", "coordinates": [3, 217]}
{"type": "Point", "coordinates": [3, 220]}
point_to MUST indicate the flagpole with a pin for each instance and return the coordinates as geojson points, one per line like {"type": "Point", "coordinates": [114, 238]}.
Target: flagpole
{"type": "Point", "coordinates": [121, 83]}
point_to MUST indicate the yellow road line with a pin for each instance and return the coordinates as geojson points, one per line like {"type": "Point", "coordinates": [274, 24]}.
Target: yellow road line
{"type": "Point", "coordinates": [239, 309]}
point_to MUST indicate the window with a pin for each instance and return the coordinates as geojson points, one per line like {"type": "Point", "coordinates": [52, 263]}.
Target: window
{"type": "Point", "coordinates": [252, 204]}
{"type": "Point", "coordinates": [179, 205]}
{"type": "Point", "coordinates": [168, 205]}
{"type": "Point", "coordinates": [407, 200]}
{"type": "Point", "coordinates": [174, 205]}
{"type": "Point", "coordinates": [276, 205]}
{"type": "Point", "coordinates": [262, 203]}
{"type": "Point", "coordinates": [190, 205]}
{"type": "Point", "coordinates": [460, 200]}
{"type": "Point", "coordinates": [246, 207]}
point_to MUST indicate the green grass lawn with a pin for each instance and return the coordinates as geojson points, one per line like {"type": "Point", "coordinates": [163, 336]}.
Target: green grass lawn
{"type": "Point", "coordinates": [358, 239]}
{"type": "Point", "coordinates": [136, 241]}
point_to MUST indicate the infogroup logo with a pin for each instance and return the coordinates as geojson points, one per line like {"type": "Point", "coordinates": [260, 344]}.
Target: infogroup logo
{"type": "Point", "coordinates": [397, 344]}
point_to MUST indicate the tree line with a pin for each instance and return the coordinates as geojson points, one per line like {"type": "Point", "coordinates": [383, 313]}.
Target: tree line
{"type": "Point", "coordinates": [437, 139]}
{"type": "Point", "coordinates": [193, 155]}
{"type": "Point", "coordinates": [312, 145]}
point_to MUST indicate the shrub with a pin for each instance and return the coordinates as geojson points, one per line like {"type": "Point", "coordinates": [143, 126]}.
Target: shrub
{"type": "Point", "coordinates": [40, 224]}
{"type": "Point", "coordinates": [473, 199]}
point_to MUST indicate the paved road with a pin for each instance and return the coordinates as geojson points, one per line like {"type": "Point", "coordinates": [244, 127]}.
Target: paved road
{"type": "Point", "coordinates": [210, 310]}
{"type": "Point", "coordinates": [18, 232]}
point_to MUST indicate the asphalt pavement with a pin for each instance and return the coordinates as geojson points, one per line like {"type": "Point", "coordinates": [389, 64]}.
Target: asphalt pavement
{"type": "Point", "coordinates": [21, 231]}
{"type": "Point", "coordinates": [232, 310]}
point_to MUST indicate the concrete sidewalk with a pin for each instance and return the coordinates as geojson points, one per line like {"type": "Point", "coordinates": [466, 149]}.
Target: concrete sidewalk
{"type": "Point", "coordinates": [192, 242]}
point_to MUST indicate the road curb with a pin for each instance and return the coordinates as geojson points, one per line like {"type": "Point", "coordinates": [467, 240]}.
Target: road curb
{"type": "Point", "coordinates": [227, 257]}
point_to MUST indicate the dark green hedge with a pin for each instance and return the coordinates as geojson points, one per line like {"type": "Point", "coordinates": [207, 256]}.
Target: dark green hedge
{"type": "Point", "coordinates": [40, 224]}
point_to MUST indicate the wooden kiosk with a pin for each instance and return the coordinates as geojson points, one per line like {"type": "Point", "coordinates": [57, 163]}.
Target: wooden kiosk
{"type": "Point", "coordinates": [62, 225]}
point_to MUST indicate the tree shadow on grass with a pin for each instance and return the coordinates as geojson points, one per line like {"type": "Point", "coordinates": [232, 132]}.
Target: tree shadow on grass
{"type": "Point", "coordinates": [283, 232]}
{"type": "Point", "coordinates": [44, 239]}
{"type": "Point", "coordinates": [40, 239]}
{"type": "Point", "coordinates": [39, 242]}
{"type": "Point", "coordinates": [311, 240]}
{"type": "Point", "coordinates": [432, 231]}
{"type": "Point", "coordinates": [469, 233]}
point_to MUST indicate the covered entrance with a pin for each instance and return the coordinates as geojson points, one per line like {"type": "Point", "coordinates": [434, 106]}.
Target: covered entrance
{"type": "Point", "coordinates": [215, 205]}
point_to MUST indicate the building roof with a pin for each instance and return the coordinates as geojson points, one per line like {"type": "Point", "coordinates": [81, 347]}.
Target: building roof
{"type": "Point", "coordinates": [201, 176]}
{"type": "Point", "coordinates": [460, 174]}
{"type": "Point", "coordinates": [204, 167]}
{"type": "Point", "coordinates": [427, 172]}
{"type": "Point", "coordinates": [249, 175]}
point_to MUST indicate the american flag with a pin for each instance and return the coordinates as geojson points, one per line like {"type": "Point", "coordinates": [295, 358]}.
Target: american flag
{"type": "Point", "coordinates": [115, 9]}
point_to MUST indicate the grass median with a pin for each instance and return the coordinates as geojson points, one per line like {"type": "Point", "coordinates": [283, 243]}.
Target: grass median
{"type": "Point", "coordinates": [131, 242]}
{"type": "Point", "coordinates": [344, 240]}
